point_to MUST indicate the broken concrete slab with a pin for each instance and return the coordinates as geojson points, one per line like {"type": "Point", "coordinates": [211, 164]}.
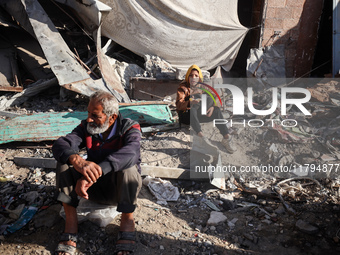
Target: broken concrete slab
{"type": "Point", "coordinates": [155, 171]}
{"type": "Point", "coordinates": [36, 162]}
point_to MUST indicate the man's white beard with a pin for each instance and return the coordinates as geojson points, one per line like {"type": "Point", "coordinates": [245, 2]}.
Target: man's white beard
{"type": "Point", "coordinates": [94, 129]}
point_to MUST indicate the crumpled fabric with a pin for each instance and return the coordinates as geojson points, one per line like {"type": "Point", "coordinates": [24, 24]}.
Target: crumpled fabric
{"type": "Point", "coordinates": [209, 35]}
{"type": "Point", "coordinates": [163, 190]}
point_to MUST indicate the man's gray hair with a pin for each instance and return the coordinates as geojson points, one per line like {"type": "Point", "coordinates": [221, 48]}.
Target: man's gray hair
{"type": "Point", "coordinates": [107, 101]}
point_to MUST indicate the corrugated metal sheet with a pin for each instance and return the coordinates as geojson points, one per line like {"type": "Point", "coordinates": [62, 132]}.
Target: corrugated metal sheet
{"type": "Point", "coordinates": [336, 37]}
{"type": "Point", "coordinates": [50, 126]}
{"type": "Point", "coordinates": [62, 61]}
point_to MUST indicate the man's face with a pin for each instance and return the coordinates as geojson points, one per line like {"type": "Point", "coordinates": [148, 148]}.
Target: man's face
{"type": "Point", "coordinates": [97, 121]}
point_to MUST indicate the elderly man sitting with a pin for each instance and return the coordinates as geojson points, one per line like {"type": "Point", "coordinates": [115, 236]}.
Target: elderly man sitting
{"type": "Point", "coordinates": [110, 174]}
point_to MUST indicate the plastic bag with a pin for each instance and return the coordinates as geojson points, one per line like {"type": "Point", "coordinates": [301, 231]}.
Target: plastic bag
{"type": "Point", "coordinates": [26, 215]}
{"type": "Point", "coordinates": [100, 214]}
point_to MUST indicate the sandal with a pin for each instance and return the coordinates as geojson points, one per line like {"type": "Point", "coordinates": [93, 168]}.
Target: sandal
{"type": "Point", "coordinates": [66, 248]}
{"type": "Point", "coordinates": [129, 247]}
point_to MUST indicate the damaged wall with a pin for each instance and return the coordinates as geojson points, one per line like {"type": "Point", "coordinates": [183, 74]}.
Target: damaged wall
{"type": "Point", "coordinates": [297, 23]}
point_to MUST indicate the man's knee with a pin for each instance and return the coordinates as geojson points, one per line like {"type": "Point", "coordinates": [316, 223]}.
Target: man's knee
{"type": "Point", "coordinates": [130, 175]}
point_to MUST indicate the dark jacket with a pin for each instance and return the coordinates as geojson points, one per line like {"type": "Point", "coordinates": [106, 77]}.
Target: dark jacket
{"type": "Point", "coordinates": [115, 154]}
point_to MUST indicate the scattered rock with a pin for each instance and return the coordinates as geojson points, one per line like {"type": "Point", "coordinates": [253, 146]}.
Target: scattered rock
{"type": "Point", "coordinates": [47, 217]}
{"type": "Point", "coordinates": [306, 227]}
{"type": "Point", "coordinates": [216, 218]}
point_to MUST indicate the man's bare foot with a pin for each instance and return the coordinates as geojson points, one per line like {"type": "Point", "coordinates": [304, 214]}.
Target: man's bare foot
{"type": "Point", "coordinates": [71, 230]}
{"type": "Point", "coordinates": [127, 224]}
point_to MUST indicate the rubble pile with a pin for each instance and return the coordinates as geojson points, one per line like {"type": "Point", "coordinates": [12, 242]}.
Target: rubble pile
{"type": "Point", "coordinates": [294, 215]}
{"type": "Point", "coordinates": [203, 220]}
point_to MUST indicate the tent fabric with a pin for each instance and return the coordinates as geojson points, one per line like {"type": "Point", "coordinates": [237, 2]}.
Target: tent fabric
{"type": "Point", "coordinates": [205, 33]}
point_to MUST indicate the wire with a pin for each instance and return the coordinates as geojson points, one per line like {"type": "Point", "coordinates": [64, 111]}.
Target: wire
{"type": "Point", "coordinates": [71, 18]}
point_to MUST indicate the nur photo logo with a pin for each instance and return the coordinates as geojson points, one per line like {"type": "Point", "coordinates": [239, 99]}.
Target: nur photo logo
{"type": "Point", "coordinates": [238, 107]}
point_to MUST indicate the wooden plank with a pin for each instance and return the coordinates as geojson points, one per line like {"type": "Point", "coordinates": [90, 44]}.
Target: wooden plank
{"type": "Point", "coordinates": [36, 162]}
{"type": "Point", "coordinates": [154, 171]}
{"type": "Point", "coordinates": [165, 172]}
{"type": "Point", "coordinates": [11, 89]}
{"type": "Point", "coordinates": [152, 89]}
{"type": "Point", "coordinates": [49, 126]}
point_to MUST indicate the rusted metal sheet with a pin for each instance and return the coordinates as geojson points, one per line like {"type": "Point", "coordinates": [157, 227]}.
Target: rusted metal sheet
{"type": "Point", "coordinates": [50, 126]}
{"type": "Point", "coordinates": [111, 80]}
{"type": "Point", "coordinates": [63, 62]}
{"type": "Point", "coordinates": [59, 56]}
{"type": "Point", "coordinates": [152, 89]}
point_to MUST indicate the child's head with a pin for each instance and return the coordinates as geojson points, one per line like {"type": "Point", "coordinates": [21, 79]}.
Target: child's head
{"type": "Point", "coordinates": [193, 75]}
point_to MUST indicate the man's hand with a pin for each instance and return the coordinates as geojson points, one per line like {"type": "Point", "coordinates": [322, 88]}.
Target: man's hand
{"type": "Point", "coordinates": [210, 111]}
{"type": "Point", "coordinates": [90, 170]}
{"type": "Point", "coordinates": [82, 186]}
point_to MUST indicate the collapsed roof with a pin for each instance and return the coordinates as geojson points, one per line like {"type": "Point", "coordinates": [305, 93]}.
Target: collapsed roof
{"type": "Point", "coordinates": [168, 29]}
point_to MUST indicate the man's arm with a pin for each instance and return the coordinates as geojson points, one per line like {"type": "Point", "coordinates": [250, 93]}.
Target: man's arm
{"type": "Point", "coordinates": [65, 150]}
{"type": "Point", "coordinates": [127, 156]}
{"type": "Point", "coordinates": [68, 145]}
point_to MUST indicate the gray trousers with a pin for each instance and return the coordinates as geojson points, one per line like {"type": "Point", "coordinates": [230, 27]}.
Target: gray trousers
{"type": "Point", "coordinates": [115, 188]}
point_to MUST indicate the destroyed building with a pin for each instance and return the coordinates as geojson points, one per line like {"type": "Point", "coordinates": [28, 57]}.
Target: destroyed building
{"type": "Point", "coordinates": [159, 40]}
{"type": "Point", "coordinates": [139, 51]}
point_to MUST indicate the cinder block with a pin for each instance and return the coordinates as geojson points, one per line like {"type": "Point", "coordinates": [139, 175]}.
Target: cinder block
{"type": "Point", "coordinates": [274, 23]}
{"type": "Point", "coordinates": [284, 13]}
{"type": "Point", "coordinates": [271, 12]}
{"type": "Point", "coordinates": [297, 12]}
{"type": "Point", "coordinates": [277, 3]}
{"type": "Point", "coordinates": [267, 33]}
{"type": "Point", "coordinates": [295, 3]}
{"type": "Point", "coordinates": [290, 23]}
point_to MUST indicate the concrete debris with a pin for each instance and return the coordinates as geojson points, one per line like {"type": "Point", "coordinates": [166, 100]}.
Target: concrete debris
{"type": "Point", "coordinates": [240, 212]}
{"type": "Point", "coordinates": [125, 71]}
{"type": "Point", "coordinates": [216, 218]}
{"type": "Point", "coordinates": [306, 227]}
{"type": "Point", "coordinates": [159, 68]}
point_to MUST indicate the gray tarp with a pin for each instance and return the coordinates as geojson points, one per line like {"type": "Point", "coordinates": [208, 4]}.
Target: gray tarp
{"type": "Point", "coordinates": [206, 33]}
